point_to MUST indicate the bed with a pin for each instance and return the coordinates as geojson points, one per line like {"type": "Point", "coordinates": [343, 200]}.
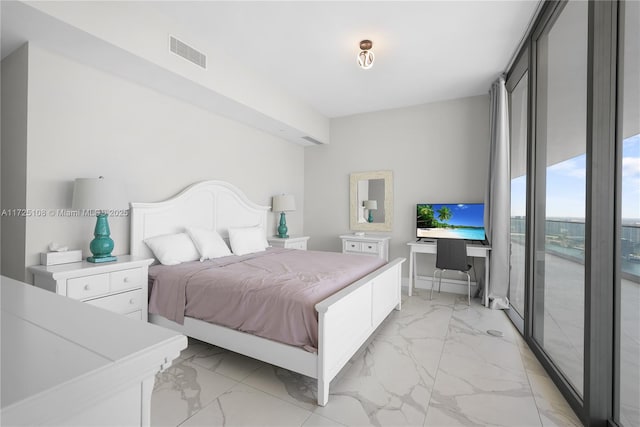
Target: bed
{"type": "Point", "coordinates": [346, 319]}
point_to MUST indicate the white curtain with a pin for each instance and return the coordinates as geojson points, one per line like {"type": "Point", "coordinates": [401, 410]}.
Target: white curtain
{"type": "Point", "coordinates": [497, 200]}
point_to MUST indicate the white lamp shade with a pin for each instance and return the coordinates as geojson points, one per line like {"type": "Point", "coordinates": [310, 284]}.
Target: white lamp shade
{"type": "Point", "coordinates": [284, 203]}
{"type": "Point", "coordinates": [97, 193]}
{"type": "Point", "coordinates": [371, 204]}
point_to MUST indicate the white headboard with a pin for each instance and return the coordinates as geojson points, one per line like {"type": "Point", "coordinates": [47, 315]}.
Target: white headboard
{"type": "Point", "coordinates": [214, 205]}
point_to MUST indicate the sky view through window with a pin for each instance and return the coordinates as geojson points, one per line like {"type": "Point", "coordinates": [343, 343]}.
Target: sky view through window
{"type": "Point", "coordinates": [566, 186]}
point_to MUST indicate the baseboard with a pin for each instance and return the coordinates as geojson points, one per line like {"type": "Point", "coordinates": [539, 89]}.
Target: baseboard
{"type": "Point", "coordinates": [448, 285]}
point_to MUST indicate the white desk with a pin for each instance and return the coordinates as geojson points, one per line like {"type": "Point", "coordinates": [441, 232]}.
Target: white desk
{"type": "Point", "coordinates": [479, 251]}
{"type": "Point", "coordinates": [65, 362]}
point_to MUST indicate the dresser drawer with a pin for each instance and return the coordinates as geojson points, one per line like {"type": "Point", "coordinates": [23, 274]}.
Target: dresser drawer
{"type": "Point", "coordinates": [88, 286]}
{"type": "Point", "coordinates": [126, 279]}
{"type": "Point", "coordinates": [369, 245]}
{"type": "Point", "coordinates": [352, 246]}
{"type": "Point", "coordinates": [370, 248]}
{"type": "Point", "coordinates": [123, 303]}
{"type": "Point", "coordinates": [136, 315]}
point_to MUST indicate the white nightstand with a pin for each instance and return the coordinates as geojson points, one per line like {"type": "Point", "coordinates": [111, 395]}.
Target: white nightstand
{"type": "Point", "coordinates": [369, 244]}
{"type": "Point", "coordinates": [299, 242]}
{"type": "Point", "coordinates": [119, 286]}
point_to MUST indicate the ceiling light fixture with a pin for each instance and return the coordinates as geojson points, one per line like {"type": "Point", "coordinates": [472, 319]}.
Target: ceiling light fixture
{"type": "Point", "coordinates": [366, 56]}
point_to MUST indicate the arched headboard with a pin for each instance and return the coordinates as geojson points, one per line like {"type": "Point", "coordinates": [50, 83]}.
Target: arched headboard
{"type": "Point", "coordinates": [214, 205]}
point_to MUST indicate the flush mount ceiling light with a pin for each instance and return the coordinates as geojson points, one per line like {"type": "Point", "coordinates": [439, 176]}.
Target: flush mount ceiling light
{"type": "Point", "coordinates": [366, 56]}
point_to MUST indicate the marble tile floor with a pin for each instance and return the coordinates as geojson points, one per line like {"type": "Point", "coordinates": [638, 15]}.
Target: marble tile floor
{"type": "Point", "coordinates": [431, 364]}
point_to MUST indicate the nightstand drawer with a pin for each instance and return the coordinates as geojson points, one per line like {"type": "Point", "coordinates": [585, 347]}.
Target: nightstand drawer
{"type": "Point", "coordinates": [293, 242]}
{"type": "Point", "coordinates": [370, 248]}
{"type": "Point", "coordinates": [123, 303]}
{"type": "Point", "coordinates": [352, 246]}
{"type": "Point", "coordinates": [88, 286]}
{"type": "Point", "coordinates": [119, 286]}
{"type": "Point", "coordinates": [298, 245]}
{"type": "Point", "coordinates": [126, 279]}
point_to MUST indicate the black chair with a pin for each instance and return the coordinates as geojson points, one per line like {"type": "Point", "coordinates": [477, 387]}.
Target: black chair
{"type": "Point", "coordinates": [452, 255]}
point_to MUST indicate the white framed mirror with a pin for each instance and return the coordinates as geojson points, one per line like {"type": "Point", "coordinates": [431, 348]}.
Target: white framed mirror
{"type": "Point", "coordinates": [371, 201]}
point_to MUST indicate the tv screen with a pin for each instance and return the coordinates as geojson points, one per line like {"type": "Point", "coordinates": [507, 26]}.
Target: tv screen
{"type": "Point", "coordinates": [455, 220]}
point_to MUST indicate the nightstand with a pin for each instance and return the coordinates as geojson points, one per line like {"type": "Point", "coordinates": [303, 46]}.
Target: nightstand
{"type": "Point", "coordinates": [299, 242]}
{"type": "Point", "coordinates": [119, 286]}
{"type": "Point", "coordinates": [369, 244]}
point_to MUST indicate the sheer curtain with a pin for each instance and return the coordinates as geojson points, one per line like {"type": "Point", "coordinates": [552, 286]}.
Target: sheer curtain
{"type": "Point", "coordinates": [497, 203]}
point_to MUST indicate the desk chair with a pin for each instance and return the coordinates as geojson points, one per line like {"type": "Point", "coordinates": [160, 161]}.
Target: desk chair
{"type": "Point", "coordinates": [452, 255]}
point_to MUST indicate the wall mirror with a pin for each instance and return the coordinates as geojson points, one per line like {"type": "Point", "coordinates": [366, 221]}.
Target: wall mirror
{"type": "Point", "coordinates": [371, 201]}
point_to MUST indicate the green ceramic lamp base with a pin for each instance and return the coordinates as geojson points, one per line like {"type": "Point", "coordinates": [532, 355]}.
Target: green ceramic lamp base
{"type": "Point", "coordinates": [102, 245]}
{"type": "Point", "coordinates": [282, 229]}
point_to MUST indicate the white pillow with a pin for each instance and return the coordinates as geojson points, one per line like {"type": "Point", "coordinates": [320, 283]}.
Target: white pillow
{"type": "Point", "coordinates": [209, 243]}
{"type": "Point", "coordinates": [247, 240]}
{"type": "Point", "coordinates": [172, 249]}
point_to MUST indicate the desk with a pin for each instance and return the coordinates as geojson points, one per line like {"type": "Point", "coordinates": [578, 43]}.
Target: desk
{"type": "Point", "coordinates": [479, 251]}
{"type": "Point", "coordinates": [65, 362]}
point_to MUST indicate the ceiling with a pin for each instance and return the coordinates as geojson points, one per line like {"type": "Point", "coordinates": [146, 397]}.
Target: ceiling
{"type": "Point", "coordinates": [425, 51]}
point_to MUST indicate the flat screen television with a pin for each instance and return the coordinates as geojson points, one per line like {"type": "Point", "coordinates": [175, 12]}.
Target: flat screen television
{"type": "Point", "coordinates": [453, 220]}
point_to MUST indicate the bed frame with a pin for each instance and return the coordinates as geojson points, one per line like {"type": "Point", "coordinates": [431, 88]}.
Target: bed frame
{"type": "Point", "coordinates": [346, 319]}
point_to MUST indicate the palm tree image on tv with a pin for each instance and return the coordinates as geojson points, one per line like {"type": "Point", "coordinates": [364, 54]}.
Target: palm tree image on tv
{"type": "Point", "coordinates": [444, 213]}
{"type": "Point", "coordinates": [461, 221]}
{"type": "Point", "coordinates": [425, 216]}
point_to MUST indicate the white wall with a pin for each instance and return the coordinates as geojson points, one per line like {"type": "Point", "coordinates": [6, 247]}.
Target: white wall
{"type": "Point", "coordinates": [134, 36]}
{"type": "Point", "coordinates": [438, 153]}
{"type": "Point", "coordinates": [84, 122]}
{"type": "Point", "coordinates": [14, 155]}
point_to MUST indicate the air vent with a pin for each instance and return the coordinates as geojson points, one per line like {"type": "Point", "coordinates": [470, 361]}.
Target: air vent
{"type": "Point", "coordinates": [187, 52]}
{"type": "Point", "coordinates": [312, 140]}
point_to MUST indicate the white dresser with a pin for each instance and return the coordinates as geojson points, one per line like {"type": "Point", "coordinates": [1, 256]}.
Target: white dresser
{"type": "Point", "coordinates": [68, 363]}
{"type": "Point", "coordinates": [293, 242]}
{"type": "Point", "coordinates": [369, 244]}
{"type": "Point", "coordinates": [119, 286]}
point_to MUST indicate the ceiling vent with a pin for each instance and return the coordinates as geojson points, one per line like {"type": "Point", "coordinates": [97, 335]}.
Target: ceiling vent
{"type": "Point", "coordinates": [312, 140]}
{"type": "Point", "coordinates": [187, 52]}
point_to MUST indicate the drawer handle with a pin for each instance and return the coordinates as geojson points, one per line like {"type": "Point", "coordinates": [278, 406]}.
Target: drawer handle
{"type": "Point", "coordinates": [370, 247]}
{"type": "Point", "coordinates": [126, 279]}
{"type": "Point", "coordinates": [87, 287]}
{"type": "Point", "coordinates": [132, 301]}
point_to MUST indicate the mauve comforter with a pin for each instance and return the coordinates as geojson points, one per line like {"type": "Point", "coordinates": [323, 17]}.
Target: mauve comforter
{"type": "Point", "coordinates": [271, 294]}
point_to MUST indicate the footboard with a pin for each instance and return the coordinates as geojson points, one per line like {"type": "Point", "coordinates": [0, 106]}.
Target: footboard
{"type": "Point", "coordinates": [347, 318]}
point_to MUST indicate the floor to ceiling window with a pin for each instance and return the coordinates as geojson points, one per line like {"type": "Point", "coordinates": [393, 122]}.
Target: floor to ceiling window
{"type": "Point", "coordinates": [575, 203]}
{"type": "Point", "coordinates": [560, 191]}
{"type": "Point", "coordinates": [629, 275]}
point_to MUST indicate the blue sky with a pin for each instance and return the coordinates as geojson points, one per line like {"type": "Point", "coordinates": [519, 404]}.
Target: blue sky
{"type": "Point", "coordinates": [566, 183]}
{"type": "Point", "coordinates": [469, 215]}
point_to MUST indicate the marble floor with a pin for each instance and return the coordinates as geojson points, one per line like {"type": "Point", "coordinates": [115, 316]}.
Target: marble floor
{"type": "Point", "coordinates": [431, 364]}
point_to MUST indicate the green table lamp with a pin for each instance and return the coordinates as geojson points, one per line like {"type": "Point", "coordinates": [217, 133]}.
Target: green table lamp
{"type": "Point", "coordinates": [98, 195]}
{"type": "Point", "coordinates": [283, 203]}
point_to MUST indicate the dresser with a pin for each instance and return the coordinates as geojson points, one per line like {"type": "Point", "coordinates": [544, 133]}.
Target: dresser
{"type": "Point", "coordinates": [68, 363]}
{"type": "Point", "coordinates": [119, 286]}
{"type": "Point", "coordinates": [293, 242]}
{"type": "Point", "coordinates": [369, 244]}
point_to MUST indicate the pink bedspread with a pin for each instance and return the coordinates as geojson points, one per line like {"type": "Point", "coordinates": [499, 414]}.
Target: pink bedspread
{"type": "Point", "coordinates": [271, 294]}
